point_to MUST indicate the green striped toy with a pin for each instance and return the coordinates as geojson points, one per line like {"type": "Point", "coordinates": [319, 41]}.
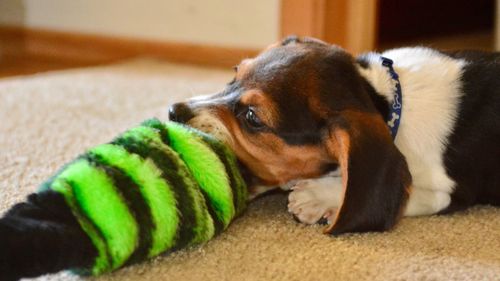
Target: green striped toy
{"type": "Point", "coordinates": [156, 188]}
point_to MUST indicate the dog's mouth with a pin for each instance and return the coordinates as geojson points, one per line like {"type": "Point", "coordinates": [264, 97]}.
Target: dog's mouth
{"type": "Point", "coordinates": [206, 122]}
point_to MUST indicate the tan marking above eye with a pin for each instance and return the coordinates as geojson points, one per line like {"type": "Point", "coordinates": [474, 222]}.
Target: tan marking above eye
{"type": "Point", "coordinates": [243, 68]}
{"type": "Point", "coordinates": [263, 106]}
{"type": "Point", "coordinates": [269, 157]}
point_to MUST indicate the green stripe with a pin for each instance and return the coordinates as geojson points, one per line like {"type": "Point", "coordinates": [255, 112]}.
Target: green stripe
{"type": "Point", "coordinates": [215, 223]}
{"type": "Point", "coordinates": [206, 168]}
{"type": "Point", "coordinates": [196, 224]}
{"type": "Point", "coordinates": [155, 191]}
{"type": "Point", "coordinates": [102, 262]}
{"type": "Point", "coordinates": [107, 211]}
{"type": "Point", "coordinates": [48, 183]}
{"type": "Point", "coordinates": [237, 183]}
{"type": "Point", "coordinates": [131, 193]}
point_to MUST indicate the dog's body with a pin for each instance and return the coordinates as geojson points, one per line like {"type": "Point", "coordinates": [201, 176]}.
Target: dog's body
{"type": "Point", "coordinates": [449, 132]}
{"type": "Point", "coordinates": [317, 106]}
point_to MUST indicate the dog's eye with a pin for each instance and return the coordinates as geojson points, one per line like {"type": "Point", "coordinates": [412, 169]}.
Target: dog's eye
{"type": "Point", "coordinates": [252, 119]}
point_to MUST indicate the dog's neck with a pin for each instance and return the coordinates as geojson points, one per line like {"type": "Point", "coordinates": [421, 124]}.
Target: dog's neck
{"type": "Point", "coordinates": [371, 68]}
{"type": "Point", "coordinates": [381, 84]}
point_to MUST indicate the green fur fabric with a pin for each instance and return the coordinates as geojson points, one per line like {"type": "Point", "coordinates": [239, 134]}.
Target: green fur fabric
{"type": "Point", "coordinates": [156, 188]}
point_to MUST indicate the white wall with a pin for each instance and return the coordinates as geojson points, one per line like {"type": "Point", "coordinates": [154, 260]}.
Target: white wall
{"type": "Point", "coordinates": [11, 12]}
{"type": "Point", "coordinates": [233, 23]}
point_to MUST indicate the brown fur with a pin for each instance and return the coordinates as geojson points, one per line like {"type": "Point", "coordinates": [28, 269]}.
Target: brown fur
{"type": "Point", "coordinates": [272, 160]}
{"type": "Point", "coordinates": [243, 68]}
{"type": "Point", "coordinates": [264, 107]}
{"type": "Point", "coordinates": [363, 146]}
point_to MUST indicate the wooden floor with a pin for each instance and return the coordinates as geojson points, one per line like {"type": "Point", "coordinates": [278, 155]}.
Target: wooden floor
{"type": "Point", "coordinates": [13, 63]}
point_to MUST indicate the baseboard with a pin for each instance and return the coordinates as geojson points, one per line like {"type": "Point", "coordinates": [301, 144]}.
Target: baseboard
{"type": "Point", "coordinates": [96, 49]}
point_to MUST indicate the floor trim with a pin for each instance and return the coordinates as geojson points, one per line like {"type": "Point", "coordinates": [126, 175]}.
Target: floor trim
{"type": "Point", "coordinates": [96, 49]}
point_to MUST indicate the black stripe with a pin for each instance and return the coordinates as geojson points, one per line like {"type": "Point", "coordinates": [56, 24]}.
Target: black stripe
{"type": "Point", "coordinates": [130, 191]}
{"type": "Point", "coordinates": [160, 127]}
{"type": "Point", "coordinates": [218, 225]}
{"type": "Point", "coordinates": [170, 173]}
{"type": "Point", "coordinates": [238, 201]}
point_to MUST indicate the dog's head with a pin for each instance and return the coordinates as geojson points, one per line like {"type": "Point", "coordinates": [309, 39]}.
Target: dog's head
{"type": "Point", "coordinates": [296, 111]}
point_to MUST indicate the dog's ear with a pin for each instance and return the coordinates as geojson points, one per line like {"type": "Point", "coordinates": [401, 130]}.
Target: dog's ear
{"type": "Point", "coordinates": [375, 176]}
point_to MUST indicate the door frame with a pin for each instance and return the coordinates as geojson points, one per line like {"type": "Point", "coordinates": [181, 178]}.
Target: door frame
{"type": "Point", "coordinates": [352, 24]}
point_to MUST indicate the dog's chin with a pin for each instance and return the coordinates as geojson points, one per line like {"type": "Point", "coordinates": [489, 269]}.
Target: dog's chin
{"type": "Point", "coordinates": [207, 123]}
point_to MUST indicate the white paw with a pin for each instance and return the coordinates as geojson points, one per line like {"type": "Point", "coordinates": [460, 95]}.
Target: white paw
{"type": "Point", "coordinates": [311, 200]}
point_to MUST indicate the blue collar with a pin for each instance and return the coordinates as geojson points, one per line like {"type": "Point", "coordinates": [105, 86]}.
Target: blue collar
{"type": "Point", "coordinates": [397, 104]}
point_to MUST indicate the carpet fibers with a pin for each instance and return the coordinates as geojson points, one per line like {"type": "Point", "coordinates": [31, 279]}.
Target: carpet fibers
{"type": "Point", "coordinates": [48, 119]}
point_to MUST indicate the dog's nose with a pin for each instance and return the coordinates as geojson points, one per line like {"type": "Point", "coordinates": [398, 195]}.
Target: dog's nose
{"type": "Point", "coordinates": [180, 112]}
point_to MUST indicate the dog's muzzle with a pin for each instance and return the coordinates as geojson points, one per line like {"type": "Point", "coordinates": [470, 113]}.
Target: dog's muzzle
{"type": "Point", "coordinates": [201, 118]}
{"type": "Point", "coordinates": [180, 112]}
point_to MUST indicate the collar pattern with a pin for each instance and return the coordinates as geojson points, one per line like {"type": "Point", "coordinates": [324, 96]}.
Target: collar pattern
{"type": "Point", "coordinates": [394, 117]}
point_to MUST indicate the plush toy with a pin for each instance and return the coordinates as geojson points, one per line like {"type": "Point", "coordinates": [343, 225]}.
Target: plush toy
{"type": "Point", "coordinates": [154, 189]}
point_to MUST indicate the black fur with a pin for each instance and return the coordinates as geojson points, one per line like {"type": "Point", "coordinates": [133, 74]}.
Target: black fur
{"type": "Point", "coordinates": [42, 236]}
{"type": "Point", "coordinates": [472, 156]}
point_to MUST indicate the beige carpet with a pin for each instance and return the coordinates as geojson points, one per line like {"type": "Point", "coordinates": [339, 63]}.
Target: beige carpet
{"type": "Point", "coordinates": [47, 119]}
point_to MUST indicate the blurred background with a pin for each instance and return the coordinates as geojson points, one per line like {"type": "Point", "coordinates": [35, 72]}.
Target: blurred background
{"type": "Point", "coordinates": [39, 35]}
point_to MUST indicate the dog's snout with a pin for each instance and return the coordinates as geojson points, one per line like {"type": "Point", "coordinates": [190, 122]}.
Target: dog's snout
{"type": "Point", "coordinates": [180, 112]}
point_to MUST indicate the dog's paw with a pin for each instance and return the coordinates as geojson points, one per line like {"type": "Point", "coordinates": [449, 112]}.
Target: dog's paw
{"type": "Point", "coordinates": [313, 200]}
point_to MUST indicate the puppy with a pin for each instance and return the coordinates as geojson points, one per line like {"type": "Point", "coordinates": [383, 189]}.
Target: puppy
{"type": "Point", "coordinates": [362, 141]}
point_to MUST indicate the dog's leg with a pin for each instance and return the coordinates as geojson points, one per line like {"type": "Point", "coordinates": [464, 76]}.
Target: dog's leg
{"type": "Point", "coordinates": [426, 202]}
{"type": "Point", "coordinates": [41, 236]}
{"type": "Point", "coordinates": [314, 199]}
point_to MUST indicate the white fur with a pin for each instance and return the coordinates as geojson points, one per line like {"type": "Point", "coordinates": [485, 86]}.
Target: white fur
{"type": "Point", "coordinates": [430, 84]}
{"type": "Point", "coordinates": [313, 199]}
